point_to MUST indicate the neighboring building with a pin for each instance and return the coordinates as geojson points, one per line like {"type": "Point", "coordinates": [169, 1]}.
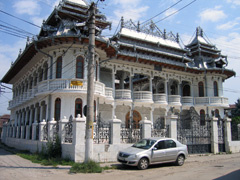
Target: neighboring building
{"type": "Point", "coordinates": [139, 72]}
{"type": "Point", "coordinates": [3, 119]}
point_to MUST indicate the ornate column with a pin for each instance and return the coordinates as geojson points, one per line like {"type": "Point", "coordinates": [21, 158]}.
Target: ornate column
{"type": "Point", "coordinates": [151, 114]}
{"type": "Point", "coordinates": [41, 113]}
{"type": "Point", "coordinates": [62, 123]}
{"type": "Point", "coordinates": [41, 131]}
{"type": "Point", "coordinates": [115, 131]}
{"type": "Point", "coordinates": [50, 129]}
{"type": "Point", "coordinates": [113, 86]}
{"type": "Point", "coordinates": [227, 133]}
{"type": "Point", "coordinates": [166, 89]}
{"type": "Point", "coordinates": [146, 128]}
{"type": "Point", "coordinates": [173, 126]}
{"type": "Point", "coordinates": [79, 130]}
{"type": "Point", "coordinates": [214, 135]}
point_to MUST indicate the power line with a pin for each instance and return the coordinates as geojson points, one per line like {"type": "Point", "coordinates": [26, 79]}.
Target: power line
{"type": "Point", "coordinates": [176, 11]}
{"type": "Point", "coordinates": [162, 12]}
{"type": "Point", "coordinates": [19, 18]}
{"type": "Point", "coordinates": [17, 28]}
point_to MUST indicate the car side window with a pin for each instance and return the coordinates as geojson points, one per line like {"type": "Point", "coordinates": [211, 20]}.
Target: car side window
{"type": "Point", "coordinates": [170, 144]}
{"type": "Point", "coordinates": [160, 145]}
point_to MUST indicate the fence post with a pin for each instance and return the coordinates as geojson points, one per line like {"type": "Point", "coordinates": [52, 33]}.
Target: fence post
{"type": "Point", "coordinates": [50, 129]}
{"type": "Point", "coordinates": [227, 133]}
{"type": "Point", "coordinates": [41, 133]}
{"type": "Point", "coordinates": [22, 132]}
{"type": "Point", "coordinates": [79, 130]}
{"type": "Point", "coordinates": [115, 134]}
{"type": "Point", "coordinates": [14, 131]}
{"type": "Point", "coordinates": [34, 132]}
{"type": "Point", "coordinates": [146, 128]}
{"type": "Point", "coordinates": [27, 132]}
{"type": "Point", "coordinates": [62, 123]}
{"type": "Point", "coordinates": [173, 126]}
{"type": "Point", "coordinates": [214, 135]}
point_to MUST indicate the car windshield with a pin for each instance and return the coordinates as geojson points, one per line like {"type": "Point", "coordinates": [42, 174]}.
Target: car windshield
{"type": "Point", "coordinates": [144, 144]}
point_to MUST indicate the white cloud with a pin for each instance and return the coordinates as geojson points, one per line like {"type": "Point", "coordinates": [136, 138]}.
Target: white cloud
{"type": "Point", "coordinates": [131, 13]}
{"type": "Point", "coordinates": [212, 15]}
{"type": "Point", "coordinates": [235, 2]}
{"type": "Point", "coordinates": [29, 7]}
{"type": "Point", "coordinates": [229, 25]}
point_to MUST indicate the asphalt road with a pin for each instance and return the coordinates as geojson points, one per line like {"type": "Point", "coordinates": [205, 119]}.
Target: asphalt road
{"type": "Point", "coordinates": [204, 167]}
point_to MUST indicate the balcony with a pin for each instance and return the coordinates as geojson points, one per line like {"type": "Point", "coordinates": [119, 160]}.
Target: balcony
{"type": "Point", "coordinates": [160, 98]}
{"type": "Point", "coordinates": [174, 100]}
{"type": "Point", "coordinates": [143, 97]}
{"type": "Point", "coordinates": [46, 87]}
{"type": "Point", "coordinates": [123, 95]}
{"type": "Point", "coordinates": [213, 101]}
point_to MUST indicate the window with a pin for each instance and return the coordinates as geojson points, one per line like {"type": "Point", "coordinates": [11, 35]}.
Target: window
{"type": "Point", "coordinates": [160, 145]}
{"type": "Point", "coordinates": [78, 107]}
{"type": "Point", "coordinates": [216, 113]}
{"type": "Point", "coordinates": [201, 89]}
{"type": "Point", "coordinates": [170, 144]}
{"type": "Point", "coordinates": [202, 117]}
{"type": "Point", "coordinates": [57, 109]}
{"type": "Point", "coordinates": [79, 67]}
{"type": "Point", "coordinates": [215, 88]}
{"type": "Point", "coordinates": [59, 68]}
{"type": "Point", "coordinates": [186, 90]}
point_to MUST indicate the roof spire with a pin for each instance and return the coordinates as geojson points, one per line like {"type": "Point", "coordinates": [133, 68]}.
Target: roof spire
{"type": "Point", "coordinates": [199, 31]}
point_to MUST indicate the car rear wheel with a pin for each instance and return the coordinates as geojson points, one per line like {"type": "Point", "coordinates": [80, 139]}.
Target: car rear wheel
{"type": "Point", "coordinates": [143, 164]}
{"type": "Point", "coordinates": [180, 160]}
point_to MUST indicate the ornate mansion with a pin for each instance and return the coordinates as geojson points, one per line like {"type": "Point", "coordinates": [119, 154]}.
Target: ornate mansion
{"type": "Point", "coordinates": [146, 84]}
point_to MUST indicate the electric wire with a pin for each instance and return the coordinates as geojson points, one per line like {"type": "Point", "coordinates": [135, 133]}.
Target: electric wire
{"type": "Point", "coordinates": [175, 12]}
{"type": "Point", "coordinates": [162, 12]}
{"type": "Point", "coordinates": [19, 18]}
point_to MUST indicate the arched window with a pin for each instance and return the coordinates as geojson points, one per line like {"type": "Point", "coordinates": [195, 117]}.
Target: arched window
{"type": "Point", "coordinates": [202, 117]}
{"type": "Point", "coordinates": [79, 67]}
{"type": "Point", "coordinates": [201, 89]}
{"type": "Point", "coordinates": [186, 90]}
{"type": "Point", "coordinates": [215, 88]}
{"type": "Point", "coordinates": [59, 67]}
{"type": "Point", "coordinates": [57, 109]}
{"type": "Point", "coordinates": [78, 107]}
{"type": "Point", "coordinates": [174, 88]}
{"type": "Point", "coordinates": [217, 113]}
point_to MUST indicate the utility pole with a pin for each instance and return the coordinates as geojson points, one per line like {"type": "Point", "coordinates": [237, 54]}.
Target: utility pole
{"type": "Point", "coordinates": [90, 84]}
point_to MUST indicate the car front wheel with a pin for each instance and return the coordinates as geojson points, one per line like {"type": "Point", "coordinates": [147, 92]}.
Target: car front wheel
{"type": "Point", "coordinates": [180, 160]}
{"type": "Point", "coordinates": [143, 163]}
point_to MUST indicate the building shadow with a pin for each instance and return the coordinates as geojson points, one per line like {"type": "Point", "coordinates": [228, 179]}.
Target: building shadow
{"type": "Point", "coordinates": [235, 175]}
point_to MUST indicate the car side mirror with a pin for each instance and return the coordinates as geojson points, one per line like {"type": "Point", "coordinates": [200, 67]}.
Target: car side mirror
{"type": "Point", "coordinates": [154, 148]}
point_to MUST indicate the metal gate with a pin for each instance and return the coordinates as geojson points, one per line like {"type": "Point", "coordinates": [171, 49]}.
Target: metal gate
{"type": "Point", "coordinates": [194, 133]}
{"type": "Point", "coordinates": [221, 138]}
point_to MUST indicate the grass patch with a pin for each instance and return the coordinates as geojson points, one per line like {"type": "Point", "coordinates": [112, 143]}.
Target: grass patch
{"type": "Point", "coordinates": [89, 167]}
{"type": "Point", "coordinates": [43, 160]}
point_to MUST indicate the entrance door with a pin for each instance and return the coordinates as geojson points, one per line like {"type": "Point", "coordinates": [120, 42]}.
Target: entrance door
{"type": "Point", "coordinates": [136, 118]}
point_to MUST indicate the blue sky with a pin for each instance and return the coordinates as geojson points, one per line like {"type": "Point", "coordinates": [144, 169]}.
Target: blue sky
{"type": "Point", "coordinates": [220, 20]}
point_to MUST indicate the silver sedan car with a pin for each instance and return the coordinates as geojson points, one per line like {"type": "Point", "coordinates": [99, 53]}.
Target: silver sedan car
{"type": "Point", "coordinates": [153, 151]}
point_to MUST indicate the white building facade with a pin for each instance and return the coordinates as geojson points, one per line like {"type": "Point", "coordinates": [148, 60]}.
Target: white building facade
{"type": "Point", "coordinates": [146, 84]}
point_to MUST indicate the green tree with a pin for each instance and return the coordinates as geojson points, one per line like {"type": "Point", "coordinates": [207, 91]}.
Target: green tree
{"type": "Point", "coordinates": [235, 120]}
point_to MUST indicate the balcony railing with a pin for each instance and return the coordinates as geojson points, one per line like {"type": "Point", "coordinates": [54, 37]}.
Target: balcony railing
{"type": "Point", "coordinates": [123, 94]}
{"type": "Point", "coordinates": [174, 99]}
{"type": "Point", "coordinates": [120, 94]}
{"type": "Point", "coordinates": [160, 98]}
{"type": "Point", "coordinates": [143, 96]}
